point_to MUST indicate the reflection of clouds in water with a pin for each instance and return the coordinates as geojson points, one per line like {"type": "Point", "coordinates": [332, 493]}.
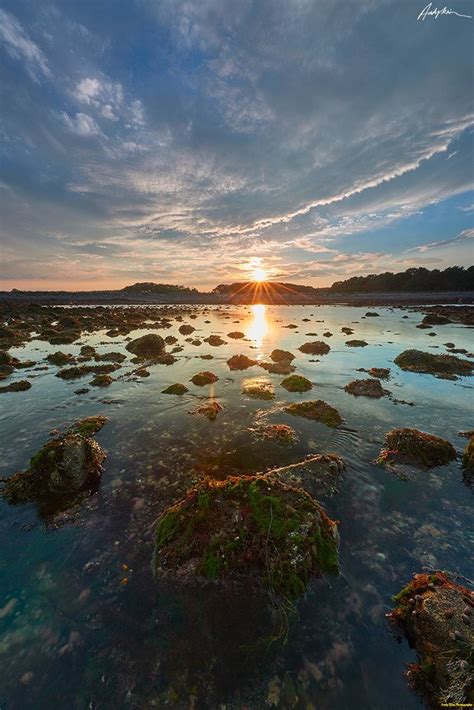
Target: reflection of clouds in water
{"type": "Point", "coordinates": [259, 325]}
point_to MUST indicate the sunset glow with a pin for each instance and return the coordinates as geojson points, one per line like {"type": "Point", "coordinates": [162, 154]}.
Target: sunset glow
{"type": "Point", "coordinates": [259, 275]}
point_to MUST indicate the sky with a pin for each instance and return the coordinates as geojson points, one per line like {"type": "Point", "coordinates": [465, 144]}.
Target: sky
{"type": "Point", "coordinates": [194, 142]}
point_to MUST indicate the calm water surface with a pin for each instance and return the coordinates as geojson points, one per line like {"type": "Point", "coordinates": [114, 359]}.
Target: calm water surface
{"type": "Point", "coordinates": [83, 623]}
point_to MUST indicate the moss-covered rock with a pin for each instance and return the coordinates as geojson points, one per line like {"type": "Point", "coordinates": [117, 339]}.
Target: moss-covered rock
{"type": "Point", "coordinates": [277, 368]}
{"type": "Point", "coordinates": [236, 335]}
{"type": "Point", "coordinates": [281, 356]}
{"type": "Point", "coordinates": [112, 356]}
{"type": "Point", "coordinates": [416, 448]}
{"type": "Point", "coordinates": [210, 409]}
{"type": "Point", "coordinates": [296, 383]}
{"type": "Point", "coordinates": [240, 362]}
{"type": "Point", "coordinates": [280, 433]}
{"type": "Point", "coordinates": [61, 468]}
{"type": "Point", "coordinates": [214, 340]}
{"type": "Point", "coordinates": [318, 410]}
{"type": "Point", "coordinates": [171, 340]}
{"type": "Point", "coordinates": [317, 347]}
{"type": "Point", "coordinates": [365, 388]}
{"type": "Point", "coordinates": [204, 378]}
{"type": "Point", "coordinates": [436, 616]}
{"type": "Point", "coordinates": [177, 388]}
{"type": "Point", "coordinates": [441, 365]}
{"type": "Point", "coordinates": [89, 426]}
{"type": "Point", "coordinates": [247, 528]}
{"type": "Point", "coordinates": [258, 390]}
{"type": "Point", "coordinates": [186, 329]}
{"type": "Point", "coordinates": [147, 346]}
{"type": "Point", "coordinates": [101, 381]}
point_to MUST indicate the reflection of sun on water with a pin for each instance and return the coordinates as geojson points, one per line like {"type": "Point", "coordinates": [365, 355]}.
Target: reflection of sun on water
{"type": "Point", "coordinates": [258, 327]}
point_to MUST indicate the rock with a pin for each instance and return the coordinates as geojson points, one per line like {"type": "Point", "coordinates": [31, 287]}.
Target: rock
{"type": "Point", "coordinates": [214, 340]}
{"type": "Point", "coordinates": [296, 383]}
{"type": "Point", "coordinates": [365, 388]}
{"type": "Point", "coordinates": [440, 365]}
{"type": "Point", "coordinates": [429, 611]}
{"type": "Point", "coordinates": [259, 390]}
{"type": "Point", "coordinates": [89, 426]}
{"type": "Point", "coordinates": [177, 388]}
{"type": "Point", "coordinates": [318, 410]}
{"type": "Point", "coordinates": [372, 314]}
{"type": "Point", "coordinates": [468, 457]}
{"type": "Point", "coordinates": [281, 356]}
{"type": "Point", "coordinates": [317, 475]}
{"type": "Point", "coordinates": [240, 362]}
{"type": "Point", "coordinates": [356, 343]}
{"type": "Point", "coordinates": [87, 352]}
{"type": "Point", "coordinates": [417, 448]}
{"type": "Point", "coordinates": [204, 378]}
{"type": "Point", "coordinates": [142, 372]}
{"type": "Point", "coordinates": [435, 319]}
{"type": "Point", "coordinates": [327, 334]}
{"type": "Point", "coordinates": [19, 386]}
{"type": "Point", "coordinates": [236, 335]}
{"type": "Point", "coordinates": [281, 433]}
{"type": "Point", "coordinates": [110, 357]}
{"type": "Point", "coordinates": [101, 381]}
{"type": "Point", "coordinates": [383, 373]}
{"type": "Point", "coordinates": [346, 330]}
{"type": "Point", "coordinates": [171, 340]}
{"type": "Point", "coordinates": [277, 368]}
{"type": "Point", "coordinates": [62, 467]}
{"type": "Point", "coordinates": [251, 530]}
{"type": "Point", "coordinates": [186, 329]}
{"type": "Point", "coordinates": [210, 409]}
{"type": "Point", "coordinates": [59, 358]}
{"type": "Point", "coordinates": [7, 364]}
{"type": "Point", "coordinates": [147, 346]}
{"type": "Point", "coordinates": [72, 373]}
{"type": "Point", "coordinates": [317, 347]}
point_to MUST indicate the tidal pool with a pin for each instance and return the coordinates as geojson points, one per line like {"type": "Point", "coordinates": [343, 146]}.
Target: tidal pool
{"type": "Point", "coordinates": [83, 621]}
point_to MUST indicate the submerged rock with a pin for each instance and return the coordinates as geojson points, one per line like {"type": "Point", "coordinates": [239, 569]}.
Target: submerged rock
{"type": "Point", "coordinates": [204, 378]}
{"type": "Point", "coordinates": [318, 410]}
{"type": "Point", "coordinates": [177, 388]}
{"type": "Point", "coordinates": [62, 467]}
{"type": "Point", "coordinates": [317, 475]}
{"type": "Point", "coordinates": [281, 356]}
{"type": "Point", "coordinates": [247, 529]}
{"type": "Point", "coordinates": [416, 448]}
{"type": "Point", "coordinates": [440, 365]}
{"type": "Point", "coordinates": [147, 346]}
{"type": "Point", "coordinates": [365, 388]}
{"type": "Point", "coordinates": [436, 616]}
{"type": "Point", "coordinates": [240, 362]}
{"type": "Point", "coordinates": [317, 347]}
{"type": "Point", "coordinates": [296, 383]}
{"type": "Point", "coordinates": [259, 390]}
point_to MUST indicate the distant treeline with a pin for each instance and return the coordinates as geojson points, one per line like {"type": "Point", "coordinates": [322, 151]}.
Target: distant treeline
{"type": "Point", "coordinates": [454, 278]}
{"type": "Point", "coordinates": [150, 287]}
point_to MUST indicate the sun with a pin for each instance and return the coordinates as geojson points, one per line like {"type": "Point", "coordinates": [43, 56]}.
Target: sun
{"type": "Point", "coordinates": [259, 275]}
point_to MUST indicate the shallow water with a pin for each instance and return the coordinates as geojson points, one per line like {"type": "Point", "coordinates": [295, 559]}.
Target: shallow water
{"type": "Point", "coordinates": [83, 623]}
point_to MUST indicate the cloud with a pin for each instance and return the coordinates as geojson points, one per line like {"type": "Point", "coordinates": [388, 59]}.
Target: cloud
{"type": "Point", "coordinates": [81, 124]}
{"type": "Point", "coordinates": [465, 235]}
{"type": "Point", "coordinates": [19, 46]}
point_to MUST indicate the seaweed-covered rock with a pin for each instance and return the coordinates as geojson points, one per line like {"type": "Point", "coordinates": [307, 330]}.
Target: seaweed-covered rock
{"type": "Point", "coordinates": [101, 381]}
{"type": "Point", "coordinates": [416, 448]}
{"type": "Point", "coordinates": [209, 409]}
{"type": "Point", "coordinates": [372, 314]}
{"type": "Point", "coordinates": [240, 362]}
{"type": "Point", "coordinates": [72, 373]}
{"type": "Point", "coordinates": [236, 335]}
{"type": "Point", "coordinates": [435, 319]}
{"type": "Point", "coordinates": [186, 329]}
{"type": "Point", "coordinates": [147, 346]}
{"type": "Point", "coordinates": [436, 616]}
{"type": "Point", "coordinates": [346, 330]}
{"type": "Point", "coordinates": [247, 529]}
{"type": "Point", "coordinates": [171, 340]}
{"type": "Point", "coordinates": [59, 358]}
{"type": "Point", "coordinates": [365, 388]}
{"type": "Point", "coordinates": [383, 373]}
{"type": "Point", "coordinates": [281, 433]}
{"type": "Point", "coordinates": [62, 467]}
{"type": "Point", "coordinates": [356, 343]}
{"type": "Point", "coordinates": [7, 364]}
{"type": "Point", "coordinates": [281, 356]}
{"type": "Point", "coordinates": [112, 356]}
{"type": "Point", "coordinates": [277, 368]}
{"type": "Point", "coordinates": [317, 347]}
{"type": "Point", "coordinates": [204, 378]}
{"type": "Point", "coordinates": [296, 383]}
{"type": "Point", "coordinates": [177, 388]}
{"type": "Point", "coordinates": [89, 426]}
{"type": "Point", "coordinates": [318, 410]}
{"type": "Point", "coordinates": [440, 365]}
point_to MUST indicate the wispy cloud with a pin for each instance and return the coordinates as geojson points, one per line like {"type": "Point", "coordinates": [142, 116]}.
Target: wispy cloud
{"type": "Point", "coordinates": [20, 46]}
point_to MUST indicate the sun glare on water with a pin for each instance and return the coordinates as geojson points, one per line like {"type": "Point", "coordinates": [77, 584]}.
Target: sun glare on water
{"type": "Point", "coordinates": [258, 327]}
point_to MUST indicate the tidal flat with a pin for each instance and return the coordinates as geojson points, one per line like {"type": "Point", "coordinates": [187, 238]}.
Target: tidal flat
{"type": "Point", "coordinates": [114, 596]}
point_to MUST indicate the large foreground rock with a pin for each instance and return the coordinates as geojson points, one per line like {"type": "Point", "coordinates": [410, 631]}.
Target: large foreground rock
{"type": "Point", "coordinates": [147, 347]}
{"type": "Point", "coordinates": [252, 529]}
{"type": "Point", "coordinates": [63, 467]}
{"type": "Point", "coordinates": [436, 616]}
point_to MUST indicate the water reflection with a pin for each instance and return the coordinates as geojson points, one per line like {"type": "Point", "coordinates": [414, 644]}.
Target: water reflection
{"type": "Point", "coordinates": [259, 326]}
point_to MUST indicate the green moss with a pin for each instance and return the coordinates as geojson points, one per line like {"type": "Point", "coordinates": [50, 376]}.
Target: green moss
{"type": "Point", "coordinates": [89, 426]}
{"type": "Point", "coordinates": [296, 383]}
{"type": "Point", "coordinates": [211, 566]}
{"type": "Point", "coordinates": [327, 553]}
{"type": "Point", "coordinates": [167, 527]}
